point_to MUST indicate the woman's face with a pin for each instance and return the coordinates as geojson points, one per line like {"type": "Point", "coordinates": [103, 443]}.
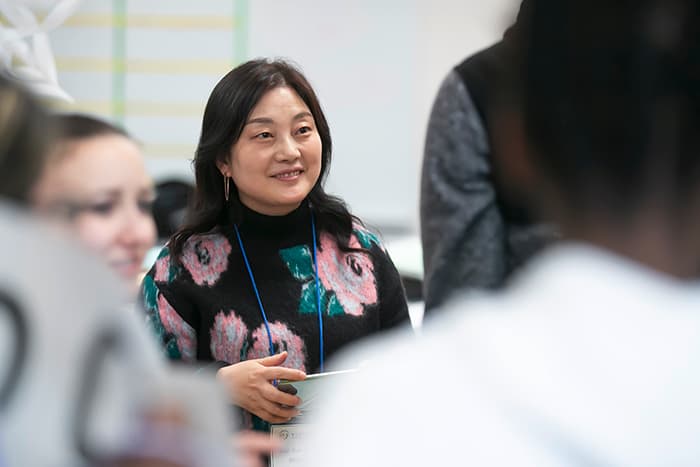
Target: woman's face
{"type": "Point", "coordinates": [277, 159]}
{"type": "Point", "coordinates": [101, 186]}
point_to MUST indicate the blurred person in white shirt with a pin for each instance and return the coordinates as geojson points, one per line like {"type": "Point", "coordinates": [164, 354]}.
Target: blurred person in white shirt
{"type": "Point", "coordinates": [591, 356]}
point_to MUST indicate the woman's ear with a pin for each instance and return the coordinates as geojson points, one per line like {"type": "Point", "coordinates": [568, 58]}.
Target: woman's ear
{"type": "Point", "coordinates": [223, 168]}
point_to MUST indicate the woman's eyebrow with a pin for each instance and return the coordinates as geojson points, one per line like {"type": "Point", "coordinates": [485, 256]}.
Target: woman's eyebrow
{"type": "Point", "coordinates": [269, 121]}
{"type": "Point", "coordinates": [303, 114]}
{"type": "Point", "coordinates": [265, 120]}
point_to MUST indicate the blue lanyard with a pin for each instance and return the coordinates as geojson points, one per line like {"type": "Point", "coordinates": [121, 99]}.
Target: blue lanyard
{"type": "Point", "coordinates": [318, 292]}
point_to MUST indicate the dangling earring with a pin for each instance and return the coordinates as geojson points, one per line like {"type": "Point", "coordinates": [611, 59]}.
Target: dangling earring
{"type": "Point", "coordinates": [226, 187]}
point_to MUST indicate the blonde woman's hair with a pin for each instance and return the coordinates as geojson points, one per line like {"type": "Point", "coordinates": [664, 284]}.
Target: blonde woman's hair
{"type": "Point", "coordinates": [25, 132]}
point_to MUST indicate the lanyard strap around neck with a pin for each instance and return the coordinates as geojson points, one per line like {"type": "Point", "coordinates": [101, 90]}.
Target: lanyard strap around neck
{"type": "Point", "coordinates": [318, 295]}
{"type": "Point", "coordinates": [318, 292]}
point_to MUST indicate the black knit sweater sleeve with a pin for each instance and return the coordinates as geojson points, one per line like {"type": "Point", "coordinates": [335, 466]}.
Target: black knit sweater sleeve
{"type": "Point", "coordinates": [392, 296]}
{"type": "Point", "coordinates": [393, 308]}
{"type": "Point", "coordinates": [169, 313]}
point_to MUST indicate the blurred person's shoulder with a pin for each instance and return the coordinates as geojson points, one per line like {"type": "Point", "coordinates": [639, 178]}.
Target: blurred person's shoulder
{"type": "Point", "coordinates": [572, 303]}
{"type": "Point", "coordinates": [506, 376]}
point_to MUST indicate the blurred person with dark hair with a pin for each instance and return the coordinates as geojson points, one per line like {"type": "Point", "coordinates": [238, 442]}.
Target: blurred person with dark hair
{"type": "Point", "coordinates": [476, 227]}
{"type": "Point", "coordinates": [591, 356]}
{"type": "Point", "coordinates": [173, 198]}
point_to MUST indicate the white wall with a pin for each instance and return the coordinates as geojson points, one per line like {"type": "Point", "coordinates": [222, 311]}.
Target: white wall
{"type": "Point", "coordinates": [376, 66]}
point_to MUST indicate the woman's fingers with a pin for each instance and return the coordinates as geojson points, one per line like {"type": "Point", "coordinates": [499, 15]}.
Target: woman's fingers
{"type": "Point", "coordinates": [269, 410]}
{"type": "Point", "coordinates": [280, 411]}
{"type": "Point", "coordinates": [279, 372]}
{"type": "Point", "coordinates": [273, 394]}
{"type": "Point", "coordinates": [250, 386]}
{"type": "Point", "coordinates": [273, 360]}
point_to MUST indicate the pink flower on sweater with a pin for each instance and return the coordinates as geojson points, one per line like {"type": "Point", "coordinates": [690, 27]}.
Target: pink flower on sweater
{"type": "Point", "coordinates": [162, 273]}
{"type": "Point", "coordinates": [228, 334]}
{"type": "Point", "coordinates": [206, 257]}
{"type": "Point", "coordinates": [283, 339]}
{"type": "Point", "coordinates": [184, 334]}
{"type": "Point", "coordinates": [349, 275]}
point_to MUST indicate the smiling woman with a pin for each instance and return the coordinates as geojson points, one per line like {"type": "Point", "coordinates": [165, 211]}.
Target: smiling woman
{"type": "Point", "coordinates": [277, 159]}
{"type": "Point", "coordinates": [272, 275]}
{"type": "Point", "coordinates": [96, 180]}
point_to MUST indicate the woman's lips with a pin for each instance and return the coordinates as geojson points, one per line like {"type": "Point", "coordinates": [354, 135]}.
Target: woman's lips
{"type": "Point", "coordinates": [288, 175]}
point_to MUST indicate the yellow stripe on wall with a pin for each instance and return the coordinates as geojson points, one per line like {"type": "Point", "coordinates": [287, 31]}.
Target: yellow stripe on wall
{"type": "Point", "coordinates": [180, 66]}
{"type": "Point", "coordinates": [151, 21]}
{"type": "Point", "coordinates": [135, 108]}
{"type": "Point", "coordinates": [174, 151]}
{"type": "Point", "coordinates": [98, 108]}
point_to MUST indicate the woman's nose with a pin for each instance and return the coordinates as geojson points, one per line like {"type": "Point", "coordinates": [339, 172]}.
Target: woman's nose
{"type": "Point", "coordinates": [287, 149]}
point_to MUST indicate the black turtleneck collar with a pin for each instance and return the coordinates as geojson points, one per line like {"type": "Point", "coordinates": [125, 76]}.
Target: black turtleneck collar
{"type": "Point", "coordinates": [262, 224]}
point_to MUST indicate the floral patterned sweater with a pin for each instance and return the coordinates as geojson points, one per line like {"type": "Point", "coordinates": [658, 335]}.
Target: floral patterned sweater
{"type": "Point", "coordinates": [205, 309]}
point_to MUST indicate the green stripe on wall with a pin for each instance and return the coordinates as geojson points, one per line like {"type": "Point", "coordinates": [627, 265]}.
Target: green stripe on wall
{"type": "Point", "coordinates": [240, 31]}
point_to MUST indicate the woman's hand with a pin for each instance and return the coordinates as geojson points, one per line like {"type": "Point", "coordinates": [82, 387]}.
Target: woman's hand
{"type": "Point", "coordinates": [250, 386]}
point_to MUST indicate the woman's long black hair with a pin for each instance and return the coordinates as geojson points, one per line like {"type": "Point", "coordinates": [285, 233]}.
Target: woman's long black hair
{"type": "Point", "coordinates": [225, 115]}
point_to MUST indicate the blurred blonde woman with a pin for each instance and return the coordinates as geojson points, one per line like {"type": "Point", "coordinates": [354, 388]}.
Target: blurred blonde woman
{"type": "Point", "coordinates": [40, 379]}
{"type": "Point", "coordinates": [96, 179]}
